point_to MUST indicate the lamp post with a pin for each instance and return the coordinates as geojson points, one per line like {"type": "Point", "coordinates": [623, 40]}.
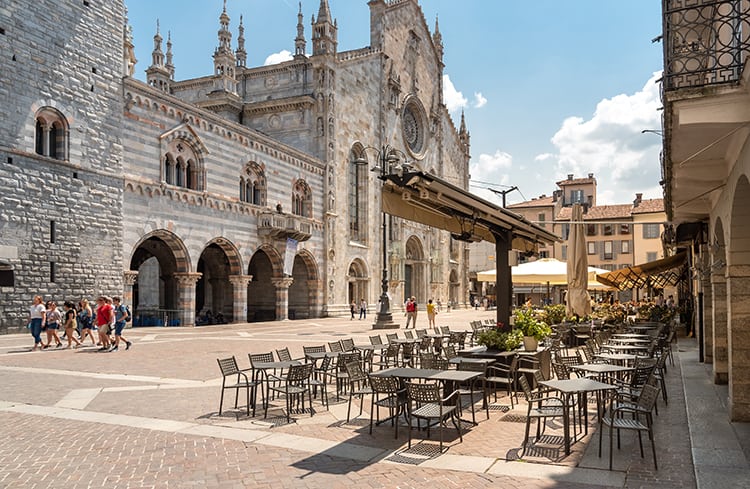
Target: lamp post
{"type": "Point", "coordinates": [386, 157]}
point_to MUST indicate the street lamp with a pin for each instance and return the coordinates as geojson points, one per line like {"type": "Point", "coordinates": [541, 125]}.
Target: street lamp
{"type": "Point", "coordinates": [386, 157]}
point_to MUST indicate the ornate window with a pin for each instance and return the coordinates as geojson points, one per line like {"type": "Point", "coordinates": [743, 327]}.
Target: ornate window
{"type": "Point", "coordinates": [358, 169]}
{"type": "Point", "coordinates": [253, 184]}
{"type": "Point", "coordinates": [413, 126]}
{"type": "Point", "coordinates": [51, 134]}
{"type": "Point", "coordinates": [181, 166]}
{"type": "Point", "coordinates": [302, 199]}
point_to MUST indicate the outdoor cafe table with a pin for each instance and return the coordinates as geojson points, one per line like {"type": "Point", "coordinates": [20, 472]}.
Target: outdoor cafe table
{"type": "Point", "coordinates": [482, 361]}
{"type": "Point", "coordinates": [621, 358]}
{"type": "Point", "coordinates": [628, 341]}
{"type": "Point", "coordinates": [624, 348]}
{"type": "Point", "coordinates": [601, 369]}
{"type": "Point", "coordinates": [632, 335]}
{"type": "Point", "coordinates": [570, 387]}
{"type": "Point", "coordinates": [643, 328]}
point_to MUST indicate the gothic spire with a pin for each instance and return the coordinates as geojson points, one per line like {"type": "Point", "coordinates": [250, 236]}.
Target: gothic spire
{"type": "Point", "coordinates": [437, 39]}
{"type": "Point", "coordinates": [158, 75]}
{"type": "Point", "coordinates": [299, 42]}
{"type": "Point", "coordinates": [324, 32]}
{"type": "Point", "coordinates": [128, 51]}
{"type": "Point", "coordinates": [241, 53]}
{"type": "Point", "coordinates": [157, 56]}
{"type": "Point", "coordinates": [324, 11]}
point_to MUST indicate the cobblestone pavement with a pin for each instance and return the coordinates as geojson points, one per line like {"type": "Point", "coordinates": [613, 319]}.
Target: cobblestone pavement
{"type": "Point", "coordinates": [147, 417]}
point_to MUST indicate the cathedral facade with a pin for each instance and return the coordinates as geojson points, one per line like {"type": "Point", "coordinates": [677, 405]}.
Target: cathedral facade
{"type": "Point", "coordinates": [244, 195]}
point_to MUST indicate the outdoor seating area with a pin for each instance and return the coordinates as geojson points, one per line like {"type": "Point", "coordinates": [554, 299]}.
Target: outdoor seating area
{"type": "Point", "coordinates": [436, 382]}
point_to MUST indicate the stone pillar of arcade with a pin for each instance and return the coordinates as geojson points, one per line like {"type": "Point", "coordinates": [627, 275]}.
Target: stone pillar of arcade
{"type": "Point", "coordinates": [239, 297]}
{"type": "Point", "coordinates": [282, 296]}
{"type": "Point", "coordinates": [130, 277]}
{"type": "Point", "coordinates": [186, 297]}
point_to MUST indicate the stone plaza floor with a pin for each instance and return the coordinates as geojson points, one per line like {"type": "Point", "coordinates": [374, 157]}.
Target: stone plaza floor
{"type": "Point", "coordinates": [148, 417]}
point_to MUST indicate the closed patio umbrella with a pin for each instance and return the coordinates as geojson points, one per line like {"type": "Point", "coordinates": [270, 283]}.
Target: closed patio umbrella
{"type": "Point", "coordinates": [577, 299]}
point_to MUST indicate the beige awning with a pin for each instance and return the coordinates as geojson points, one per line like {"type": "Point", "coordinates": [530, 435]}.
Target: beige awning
{"type": "Point", "coordinates": [427, 199]}
{"type": "Point", "coordinates": [658, 273]}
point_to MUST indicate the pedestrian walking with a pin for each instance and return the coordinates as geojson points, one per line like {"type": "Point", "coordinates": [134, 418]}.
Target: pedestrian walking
{"type": "Point", "coordinates": [121, 316]}
{"type": "Point", "coordinates": [86, 321]}
{"type": "Point", "coordinates": [411, 312]}
{"type": "Point", "coordinates": [52, 321]}
{"type": "Point", "coordinates": [36, 319]}
{"type": "Point", "coordinates": [431, 313]}
{"type": "Point", "coordinates": [104, 316]}
{"type": "Point", "coordinates": [362, 309]}
{"type": "Point", "coordinates": [353, 309]}
{"type": "Point", "coordinates": [71, 323]}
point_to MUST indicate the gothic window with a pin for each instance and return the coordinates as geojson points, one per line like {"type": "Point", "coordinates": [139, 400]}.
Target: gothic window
{"type": "Point", "coordinates": [253, 184]}
{"type": "Point", "coordinates": [181, 166]}
{"type": "Point", "coordinates": [358, 168]}
{"type": "Point", "coordinates": [302, 199]}
{"type": "Point", "coordinates": [51, 134]}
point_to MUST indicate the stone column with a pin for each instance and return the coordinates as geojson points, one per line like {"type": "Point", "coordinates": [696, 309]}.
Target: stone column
{"type": "Point", "coordinates": [186, 297]}
{"type": "Point", "coordinates": [130, 277]}
{"type": "Point", "coordinates": [314, 288]}
{"type": "Point", "coordinates": [282, 296]}
{"type": "Point", "coordinates": [719, 326]}
{"type": "Point", "coordinates": [738, 313]}
{"type": "Point", "coordinates": [708, 324]}
{"type": "Point", "coordinates": [239, 297]}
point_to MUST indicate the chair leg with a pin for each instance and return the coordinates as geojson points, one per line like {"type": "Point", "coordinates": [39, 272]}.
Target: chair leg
{"type": "Point", "coordinates": [653, 446]}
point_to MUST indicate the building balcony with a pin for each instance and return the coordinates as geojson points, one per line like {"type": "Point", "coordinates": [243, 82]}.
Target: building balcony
{"type": "Point", "coordinates": [281, 226]}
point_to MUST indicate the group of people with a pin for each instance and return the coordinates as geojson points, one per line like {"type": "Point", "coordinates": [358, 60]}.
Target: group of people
{"type": "Point", "coordinates": [412, 309]}
{"type": "Point", "coordinates": [79, 322]}
{"type": "Point", "coordinates": [362, 309]}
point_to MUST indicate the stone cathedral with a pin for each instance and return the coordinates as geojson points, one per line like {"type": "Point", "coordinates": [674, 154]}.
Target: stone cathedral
{"type": "Point", "coordinates": [247, 194]}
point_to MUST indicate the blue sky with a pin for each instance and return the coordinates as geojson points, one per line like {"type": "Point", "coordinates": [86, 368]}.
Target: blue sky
{"type": "Point", "coordinates": [548, 87]}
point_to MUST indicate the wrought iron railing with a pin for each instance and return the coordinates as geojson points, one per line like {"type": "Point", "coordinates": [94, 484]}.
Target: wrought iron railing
{"type": "Point", "coordinates": [706, 42]}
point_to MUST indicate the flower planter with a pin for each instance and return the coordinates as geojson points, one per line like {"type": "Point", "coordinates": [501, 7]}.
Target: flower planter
{"type": "Point", "coordinates": [530, 343]}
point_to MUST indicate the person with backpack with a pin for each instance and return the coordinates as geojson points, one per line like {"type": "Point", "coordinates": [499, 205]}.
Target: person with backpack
{"type": "Point", "coordinates": [86, 321]}
{"type": "Point", "coordinates": [122, 315]}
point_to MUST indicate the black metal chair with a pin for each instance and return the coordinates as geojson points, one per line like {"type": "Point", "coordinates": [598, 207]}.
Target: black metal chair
{"type": "Point", "coordinates": [359, 385]}
{"type": "Point", "coordinates": [229, 369]}
{"type": "Point", "coordinates": [388, 393]}
{"type": "Point", "coordinates": [503, 375]}
{"type": "Point", "coordinates": [425, 402]}
{"type": "Point", "coordinates": [541, 407]}
{"type": "Point", "coordinates": [295, 387]}
{"type": "Point", "coordinates": [475, 386]}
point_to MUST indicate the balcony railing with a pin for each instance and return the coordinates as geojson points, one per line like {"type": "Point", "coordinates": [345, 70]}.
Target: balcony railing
{"type": "Point", "coordinates": [282, 226]}
{"type": "Point", "coordinates": [706, 42]}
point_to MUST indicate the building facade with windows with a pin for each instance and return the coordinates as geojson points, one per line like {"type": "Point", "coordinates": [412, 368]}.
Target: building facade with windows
{"type": "Point", "coordinates": [245, 194]}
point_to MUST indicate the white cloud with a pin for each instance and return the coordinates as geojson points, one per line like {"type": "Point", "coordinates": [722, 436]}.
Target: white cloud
{"type": "Point", "coordinates": [610, 145]}
{"type": "Point", "coordinates": [279, 57]}
{"type": "Point", "coordinates": [491, 170]}
{"type": "Point", "coordinates": [479, 100]}
{"type": "Point", "coordinates": [453, 99]}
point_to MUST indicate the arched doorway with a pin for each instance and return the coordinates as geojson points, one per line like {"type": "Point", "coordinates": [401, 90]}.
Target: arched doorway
{"type": "Point", "coordinates": [738, 296]}
{"type": "Point", "coordinates": [302, 292]}
{"type": "Point", "coordinates": [359, 281]}
{"type": "Point", "coordinates": [157, 258]}
{"type": "Point", "coordinates": [414, 271]}
{"type": "Point", "coordinates": [214, 292]}
{"type": "Point", "coordinates": [261, 292]}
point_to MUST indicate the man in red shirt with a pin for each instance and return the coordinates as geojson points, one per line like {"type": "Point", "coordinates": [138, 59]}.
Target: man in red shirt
{"type": "Point", "coordinates": [104, 319]}
{"type": "Point", "coordinates": [411, 312]}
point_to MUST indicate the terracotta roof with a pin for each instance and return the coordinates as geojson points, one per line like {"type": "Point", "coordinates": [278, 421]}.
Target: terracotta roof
{"type": "Point", "coordinates": [544, 201]}
{"type": "Point", "coordinates": [598, 212]}
{"type": "Point", "coordinates": [648, 206]}
{"type": "Point", "coordinates": [575, 181]}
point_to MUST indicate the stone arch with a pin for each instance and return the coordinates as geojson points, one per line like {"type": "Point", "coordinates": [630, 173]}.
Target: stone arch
{"type": "Point", "coordinates": [415, 270]}
{"type": "Point", "coordinates": [358, 277]}
{"type": "Point", "coordinates": [160, 258]}
{"type": "Point", "coordinates": [214, 292]}
{"type": "Point", "coordinates": [265, 265]}
{"type": "Point", "coordinates": [738, 296]}
{"type": "Point", "coordinates": [305, 287]}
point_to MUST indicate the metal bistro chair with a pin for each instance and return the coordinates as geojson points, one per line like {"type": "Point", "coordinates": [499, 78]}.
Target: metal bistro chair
{"type": "Point", "coordinates": [425, 402]}
{"type": "Point", "coordinates": [294, 388]}
{"type": "Point", "coordinates": [541, 406]}
{"type": "Point", "coordinates": [347, 344]}
{"type": "Point", "coordinates": [389, 358]}
{"type": "Point", "coordinates": [471, 388]}
{"type": "Point", "coordinates": [335, 346]}
{"type": "Point", "coordinates": [269, 377]}
{"type": "Point", "coordinates": [387, 392]}
{"type": "Point", "coordinates": [229, 369]}
{"type": "Point", "coordinates": [503, 375]}
{"type": "Point", "coordinates": [627, 417]}
{"type": "Point", "coordinates": [359, 385]}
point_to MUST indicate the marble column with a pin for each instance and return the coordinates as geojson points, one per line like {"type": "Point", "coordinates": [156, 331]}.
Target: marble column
{"type": "Point", "coordinates": [314, 288]}
{"type": "Point", "coordinates": [708, 324]}
{"type": "Point", "coordinates": [186, 297]}
{"type": "Point", "coordinates": [738, 313]}
{"type": "Point", "coordinates": [719, 320]}
{"type": "Point", "coordinates": [130, 277]}
{"type": "Point", "coordinates": [282, 296]}
{"type": "Point", "coordinates": [239, 297]}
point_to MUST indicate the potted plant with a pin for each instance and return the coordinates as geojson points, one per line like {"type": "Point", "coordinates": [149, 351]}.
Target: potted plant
{"type": "Point", "coordinates": [533, 329]}
{"type": "Point", "coordinates": [497, 339]}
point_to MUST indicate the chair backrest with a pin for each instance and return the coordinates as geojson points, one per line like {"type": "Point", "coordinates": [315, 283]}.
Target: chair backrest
{"type": "Point", "coordinates": [228, 366]}
{"type": "Point", "coordinates": [324, 365]}
{"type": "Point", "coordinates": [284, 355]}
{"type": "Point", "coordinates": [526, 388]}
{"type": "Point", "coordinates": [335, 346]}
{"type": "Point", "coordinates": [640, 375]}
{"type": "Point", "coordinates": [298, 374]}
{"type": "Point", "coordinates": [348, 357]}
{"type": "Point", "coordinates": [376, 340]}
{"type": "Point", "coordinates": [440, 363]}
{"type": "Point", "coordinates": [392, 350]}
{"type": "Point", "coordinates": [450, 352]}
{"type": "Point", "coordinates": [648, 397]}
{"type": "Point", "coordinates": [347, 344]}
{"type": "Point", "coordinates": [424, 345]}
{"type": "Point", "coordinates": [355, 372]}
{"type": "Point", "coordinates": [561, 370]}
{"type": "Point", "coordinates": [314, 349]}
{"type": "Point", "coordinates": [445, 329]}
{"type": "Point", "coordinates": [408, 335]}
{"type": "Point", "coordinates": [421, 333]}
{"type": "Point", "coordinates": [391, 337]}
{"type": "Point", "coordinates": [260, 358]}
{"type": "Point", "coordinates": [423, 393]}
{"type": "Point", "coordinates": [384, 385]}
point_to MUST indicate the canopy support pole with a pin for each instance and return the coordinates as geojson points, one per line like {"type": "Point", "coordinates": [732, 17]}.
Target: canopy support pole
{"type": "Point", "coordinates": [504, 280]}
